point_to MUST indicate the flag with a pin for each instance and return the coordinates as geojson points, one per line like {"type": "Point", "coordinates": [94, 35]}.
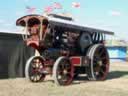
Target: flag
{"type": "Point", "coordinates": [76, 4]}
{"type": "Point", "coordinates": [48, 9]}
{"type": "Point", "coordinates": [57, 5]}
{"type": "Point", "coordinates": [30, 9]}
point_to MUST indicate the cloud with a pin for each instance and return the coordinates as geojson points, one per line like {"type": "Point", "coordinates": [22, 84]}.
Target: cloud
{"type": "Point", "coordinates": [115, 13]}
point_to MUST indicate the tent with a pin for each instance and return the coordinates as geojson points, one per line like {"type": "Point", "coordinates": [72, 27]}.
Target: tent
{"type": "Point", "coordinates": [13, 55]}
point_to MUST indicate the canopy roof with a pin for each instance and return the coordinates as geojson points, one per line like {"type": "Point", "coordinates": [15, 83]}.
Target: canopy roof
{"type": "Point", "coordinates": [29, 18]}
{"type": "Point", "coordinates": [70, 24]}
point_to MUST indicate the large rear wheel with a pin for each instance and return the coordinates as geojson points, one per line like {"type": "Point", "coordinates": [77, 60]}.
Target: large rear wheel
{"type": "Point", "coordinates": [99, 62]}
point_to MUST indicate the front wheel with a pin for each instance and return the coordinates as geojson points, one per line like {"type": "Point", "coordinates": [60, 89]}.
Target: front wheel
{"type": "Point", "coordinates": [63, 71]}
{"type": "Point", "coordinates": [34, 68]}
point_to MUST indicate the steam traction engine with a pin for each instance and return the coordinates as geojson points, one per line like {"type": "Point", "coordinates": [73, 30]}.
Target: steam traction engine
{"type": "Point", "coordinates": [65, 49]}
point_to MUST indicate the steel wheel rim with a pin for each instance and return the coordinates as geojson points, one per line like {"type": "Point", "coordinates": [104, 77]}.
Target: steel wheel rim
{"type": "Point", "coordinates": [65, 72]}
{"type": "Point", "coordinates": [100, 63]}
{"type": "Point", "coordinates": [35, 69]}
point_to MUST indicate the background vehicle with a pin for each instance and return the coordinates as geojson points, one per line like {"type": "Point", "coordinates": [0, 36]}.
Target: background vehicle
{"type": "Point", "coordinates": [65, 49]}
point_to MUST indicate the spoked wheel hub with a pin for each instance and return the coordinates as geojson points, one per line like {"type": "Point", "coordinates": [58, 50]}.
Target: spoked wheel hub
{"type": "Point", "coordinates": [63, 71]}
{"type": "Point", "coordinates": [34, 69]}
{"type": "Point", "coordinates": [99, 62]}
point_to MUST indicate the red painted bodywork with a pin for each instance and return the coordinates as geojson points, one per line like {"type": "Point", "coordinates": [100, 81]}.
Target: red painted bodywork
{"type": "Point", "coordinates": [76, 60]}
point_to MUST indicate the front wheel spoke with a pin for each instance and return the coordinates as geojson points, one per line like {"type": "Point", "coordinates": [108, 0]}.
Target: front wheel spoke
{"type": "Point", "coordinates": [37, 60]}
{"type": "Point", "coordinates": [34, 71]}
{"type": "Point", "coordinates": [37, 65]}
{"type": "Point", "coordinates": [36, 77]}
{"type": "Point", "coordinates": [32, 77]}
{"type": "Point", "coordinates": [33, 65]}
{"type": "Point", "coordinates": [41, 67]}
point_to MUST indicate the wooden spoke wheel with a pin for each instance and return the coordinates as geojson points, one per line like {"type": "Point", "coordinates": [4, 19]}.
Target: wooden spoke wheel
{"type": "Point", "coordinates": [99, 62]}
{"type": "Point", "coordinates": [63, 71]}
{"type": "Point", "coordinates": [34, 68]}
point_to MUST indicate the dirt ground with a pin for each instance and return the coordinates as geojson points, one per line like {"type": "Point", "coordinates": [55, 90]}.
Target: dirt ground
{"type": "Point", "coordinates": [115, 85]}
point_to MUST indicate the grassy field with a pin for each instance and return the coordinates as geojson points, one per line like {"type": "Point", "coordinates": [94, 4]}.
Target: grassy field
{"type": "Point", "coordinates": [115, 85]}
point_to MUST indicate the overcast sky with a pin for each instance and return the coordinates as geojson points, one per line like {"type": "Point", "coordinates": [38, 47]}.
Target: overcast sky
{"type": "Point", "coordinates": [105, 14]}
